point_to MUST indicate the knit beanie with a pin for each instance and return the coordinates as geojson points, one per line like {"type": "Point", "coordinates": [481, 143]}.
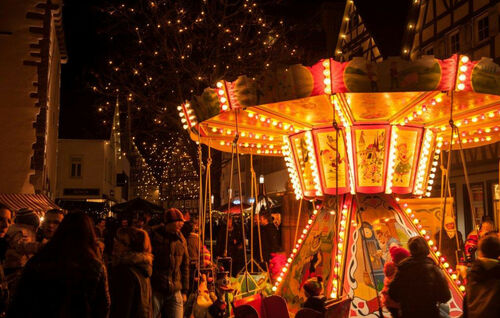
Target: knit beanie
{"type": "Point", "coordinates": [313, 286]}
{"type": "Point", "coordinates": [418, 246]}
{"type": "Point", "coordinates": [398, 254]}
{"type": "Point", "coordinates": [27, 216]}
{"type": "Point", "coordinates": [173, 215]}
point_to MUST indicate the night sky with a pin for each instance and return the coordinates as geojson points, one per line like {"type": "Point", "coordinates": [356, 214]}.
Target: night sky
{"type": "Point", "coordinates": [88, 50]}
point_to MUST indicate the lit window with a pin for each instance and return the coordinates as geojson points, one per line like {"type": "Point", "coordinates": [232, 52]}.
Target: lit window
{"type": "Point", "coordinates": [76, 167]}
{"type": "Point", "coordinates": [483, 28]}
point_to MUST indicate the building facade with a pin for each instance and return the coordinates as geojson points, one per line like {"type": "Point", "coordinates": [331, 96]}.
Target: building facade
{"type": "Point", "coordinates": [444, 28]}
{"type": "Point", "coordinates": [88, 170]}
{"type": "Point", "coordinates": [32, 42]}
{"type": "Point", "coordinates": [354, 39]}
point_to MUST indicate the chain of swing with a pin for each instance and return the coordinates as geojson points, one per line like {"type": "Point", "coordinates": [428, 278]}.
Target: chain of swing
{"type": "Point", "coordinates": [205, 208]}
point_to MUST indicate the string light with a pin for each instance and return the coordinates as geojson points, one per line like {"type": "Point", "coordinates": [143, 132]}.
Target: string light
{"type": "Point", "coordinates": [292, 169]}
{"type": "Point", "coordinates": [392, 159]}
{"type": "Point", "coordinates": [423, 162]}
{"type": "Point", "coordinates": [295, 250]}
{"type": "Point", "coordinates": [313, 162]}
{"type": "Point", "coordinates": [341, 245]}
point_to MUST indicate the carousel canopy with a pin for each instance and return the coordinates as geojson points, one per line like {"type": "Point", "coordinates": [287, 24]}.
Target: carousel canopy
{"type": "Point", "coordinates": [391, 120]}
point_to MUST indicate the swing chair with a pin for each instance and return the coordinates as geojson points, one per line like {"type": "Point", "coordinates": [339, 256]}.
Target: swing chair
{"type": "Point", "coordinates": [358, 146]}
{"type": "Point", "coordinates": [248, 282]}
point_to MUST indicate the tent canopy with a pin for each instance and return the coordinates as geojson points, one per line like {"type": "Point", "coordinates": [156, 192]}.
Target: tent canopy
{"type": "Point", "coordinates": [39, 203]}
{"type": "Point", "coordinates": [136, 205]}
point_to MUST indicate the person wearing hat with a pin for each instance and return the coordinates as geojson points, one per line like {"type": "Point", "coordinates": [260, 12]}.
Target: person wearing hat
{"type": "Point", "coordinates": [21, 238]}
{"type": "Point", "coordinates": [170, 279]}
{"type": "Point", "coordinates": [419, 285]}
{"type": "Point", "coordinates": [398, 255]}
{"type": "Point", "coordinates": [313, 288]}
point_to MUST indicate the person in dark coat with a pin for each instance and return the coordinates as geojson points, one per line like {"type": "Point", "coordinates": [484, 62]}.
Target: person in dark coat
{"type": "Point", "coordinates": [170, 278]}
{"type": "Point", "coordinates": [482, 298]}
{"type": "Point", "coordinates": [269, 238]}
{"type": "Point", "coordinates": [419, 284]}
{"type": "Point", "coordinates": [450, 246]}
{"type": "Point", "coordinates": [234, 245]}
{"type": "Point", "coordinates": [5, 222]}
{"type": "Point", "coordinates": [313, 289]}
{"type": "Point", "coordinates": [129, 283]}
{"type": "Point", "coordinates": [66, 278]}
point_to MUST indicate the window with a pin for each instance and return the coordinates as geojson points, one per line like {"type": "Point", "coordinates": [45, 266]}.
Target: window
{"type": "Point", "coordinates": [483, 28]}
{"type": "Point", "coordinates": [76, 167]}
{"type": "Point", "coordinates": [455, 43]}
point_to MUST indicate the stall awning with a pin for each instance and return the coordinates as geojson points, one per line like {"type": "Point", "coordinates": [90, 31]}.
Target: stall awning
{"type": "Point", "coordinates": [39, 203]}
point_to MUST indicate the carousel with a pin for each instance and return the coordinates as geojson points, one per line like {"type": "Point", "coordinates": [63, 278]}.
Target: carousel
{"type": "Point", "coordinates": [365, 143]}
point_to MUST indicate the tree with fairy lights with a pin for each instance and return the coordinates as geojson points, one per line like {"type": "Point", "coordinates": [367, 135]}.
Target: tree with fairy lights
{"type": "Point", "coordinates": [165, 52]}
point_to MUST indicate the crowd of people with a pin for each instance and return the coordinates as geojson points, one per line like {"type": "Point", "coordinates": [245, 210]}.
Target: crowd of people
{"type": "Point", "coordinates": [69, 266]}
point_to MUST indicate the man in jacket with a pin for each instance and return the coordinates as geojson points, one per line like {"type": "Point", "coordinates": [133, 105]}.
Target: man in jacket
{"type": "Point", "coordinates": [483, 281]}
{"type": "Point", "coordinates": [419, 284]}
{"type": "Point", "coordinates": [170, 278]}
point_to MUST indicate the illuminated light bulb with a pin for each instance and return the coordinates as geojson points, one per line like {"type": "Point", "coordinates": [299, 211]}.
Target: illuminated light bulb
{"type": "Point", "coordinates": [462, 77]}
{"type": "Point", "coordinates": [221, 92]}
{"type": "Point", "coordinates": [333, 295]}
{"type": "Point", "coordinates": [464, 59]}
{"type": "Point", "coordinates": [289, 260]}
{"type": "Point", "coordinates": [446, 265]}
{"type": "Point", "coordinates": [327, 81]}
{"type": "Point", "coordinates": [280, 279]}
{"type": "Point", "coordinates": [179, 108]}
{"type": "Point", "coordinates": [284, 269]}
{"type": "Point", "coordinates": [439, 99]}
{"type": "Point", "coordinates": [274, 288]}
{"type": "Point", "coordinates": [453, 276]}
{"type": "Point", "coordinates": [463, 68]}
{"type": "Point", "coordinates": [219, 84]}
{"type": "Point", "coordinates": [223, 100]}
{"type": "Point", "coordinates": [326, 63]}
{"type": "Point", "coordinates": [185, 126]}
{"type": "Point", "coordinates": [430, 242]}
{"type": "Point", "coordinates": [225, 107]}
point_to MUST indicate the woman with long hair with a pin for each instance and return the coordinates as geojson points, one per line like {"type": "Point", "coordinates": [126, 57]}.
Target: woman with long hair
{"type": "Point", "coordinates": [130, 284]}
{"type": "Point", "coordinates": [66, 278]}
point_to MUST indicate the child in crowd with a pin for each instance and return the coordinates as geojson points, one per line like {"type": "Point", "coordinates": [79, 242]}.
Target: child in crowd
{"type": "Point", "coordinates": [398, 254]}
{"type": "Point", "coordinates": [313, 288]}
